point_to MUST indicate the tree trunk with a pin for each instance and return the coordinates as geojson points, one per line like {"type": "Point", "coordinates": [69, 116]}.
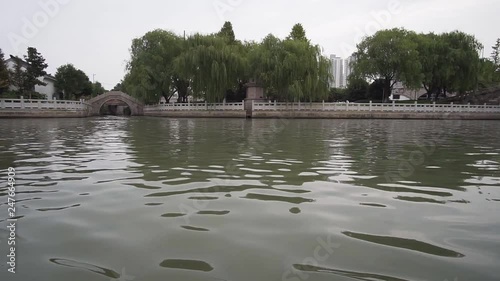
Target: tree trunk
{"type": "Point", "coordinates": [182, 87]}
{"type": "Point", "coordinates": [387, 90]}
{"type": "Point", "coordinates": [165, 95]}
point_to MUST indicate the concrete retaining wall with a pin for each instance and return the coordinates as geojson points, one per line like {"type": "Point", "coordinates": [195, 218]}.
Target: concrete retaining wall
{"type": "Point", "coordinates": [374, 115]}
{"type": "Point", "coordinates": [20, 113]}
{"type": "Point", "coordinates": [198, 114]}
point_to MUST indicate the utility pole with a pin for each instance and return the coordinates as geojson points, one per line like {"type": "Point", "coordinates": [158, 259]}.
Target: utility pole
{"type": "Point", "coordinates": [93, 78]}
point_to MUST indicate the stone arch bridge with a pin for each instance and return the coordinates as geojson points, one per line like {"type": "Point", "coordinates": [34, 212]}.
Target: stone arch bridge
{"type": "Point", "coordinates": [115, 98]}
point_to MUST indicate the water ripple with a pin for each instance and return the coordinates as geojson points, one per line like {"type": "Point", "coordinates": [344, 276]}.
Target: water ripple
{"type": "Point", "coordinates": [404, 243]}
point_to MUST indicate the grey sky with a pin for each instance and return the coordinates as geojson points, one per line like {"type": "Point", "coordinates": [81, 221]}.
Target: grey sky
{"type": "Point", "coordinates": [95, 35]}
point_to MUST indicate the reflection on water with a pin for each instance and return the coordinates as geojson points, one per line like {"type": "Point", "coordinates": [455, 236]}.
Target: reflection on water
{"type": "Point", "coordinates": [263, 197]}
{"type": "Point", "coordinates": [230, 199]}
{"type": "Point", "coordinates": [187, 264]}
{"type": "Point", "coordinates": [404, 243]}
{"type": "Point", "coordinates": [351, 274]}
{"type": "Point", "coordinates": [86, 266]}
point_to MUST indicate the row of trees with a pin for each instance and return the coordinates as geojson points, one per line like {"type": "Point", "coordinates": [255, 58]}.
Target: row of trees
{"type": "Point", "coordinates": [26, 73]}
{"type": "Point", "coordinates": [217, 66]}
{"type": "Point", "coordinates": [441, 63]}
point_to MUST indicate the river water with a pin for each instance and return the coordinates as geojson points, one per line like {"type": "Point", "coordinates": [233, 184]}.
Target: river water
{"type": "Point", "coordinates": [228, 199]}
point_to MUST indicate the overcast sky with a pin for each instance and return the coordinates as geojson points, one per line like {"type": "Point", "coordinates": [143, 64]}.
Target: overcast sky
{"type": "Point", "coordinates": [95, 35]}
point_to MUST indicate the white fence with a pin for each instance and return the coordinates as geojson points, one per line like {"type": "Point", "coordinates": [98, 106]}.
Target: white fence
{"type": "Point", "coordinates": [42, 104]}
{"type": "Point", "coordinates": [195, 107]}
{"type": "Point", "coordinates": [386, 107]}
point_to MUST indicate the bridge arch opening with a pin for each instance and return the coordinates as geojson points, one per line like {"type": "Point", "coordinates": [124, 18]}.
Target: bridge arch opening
{"type": "Point", "coordinates": [115, 108]}
{"type": "Point", "coordinates": [115, 103]}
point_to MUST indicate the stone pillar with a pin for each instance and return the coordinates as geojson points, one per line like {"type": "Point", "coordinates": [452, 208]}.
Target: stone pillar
{"type": "Point", "coordinates": [254, 93]}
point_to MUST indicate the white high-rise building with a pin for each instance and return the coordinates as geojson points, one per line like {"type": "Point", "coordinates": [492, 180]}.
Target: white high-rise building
{"type": "Point", "coordinates": [341, 69]}
{"type": "Point", "coordinates": [338, 71]}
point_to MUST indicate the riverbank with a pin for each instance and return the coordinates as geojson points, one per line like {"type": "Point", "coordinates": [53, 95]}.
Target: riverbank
{"type": "Point", "coordinates": [374, 115]}
{"type": "Point", "coordinates": [18, 113]}
{"type": "Point", "coordinates": [197, 114]}
{"type": "Point", "coordinates": [53, 113]}
{"type": "Point", "coordinates": [249, 109]}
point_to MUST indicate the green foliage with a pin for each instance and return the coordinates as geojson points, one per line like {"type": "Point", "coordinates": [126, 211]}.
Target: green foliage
{"type": "Point", "coordinates": [118, 87]}
{"type": "Point", "coordinates": [447, 62]}
{"type": "Point", "coordinates": [72, 82]}
{"type": "Point", "coordinates": [217, 66]}
{"type": "Point", "coordinates": [4, 74]}
{"type": "Point", "coordinates": [212, 66]}
{"type": "Point", "coordinates": [357, 89]}
{"type": "Point", "coordinates": [495, 54]}
{"type": "Point", "coordinates": [390, 55]}
{"type": "Point", "coordinates": [298, 33]}
{"type": "Point", "coordinates": [26, 74]}
{"type": "Point", "coordinates": [489, 76]}
{"type": "Point", "coordinates": [35, 69]}
{"type": "Point", "coordinates": [291, 70]}
{"type": "Point", "coordinates": [10, 94]}
{"type": "Point", "coordinates": [337, 95]}
{"type": "Point", "coordinates": [227, 32]}
{"type": "Point", "coordinates": [97, 89]}
{"type": "Point", "coordinates": [18, 76]}
{"type": "Point", "coordinates": [376, 90]}
{"type": "Point", "coordinates": [450, 62]}
{"type": "Point", "coordinates": [151, 72]}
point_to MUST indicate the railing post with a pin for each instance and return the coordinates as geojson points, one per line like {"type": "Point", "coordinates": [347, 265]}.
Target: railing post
{"type": "Point", "coordinates": [484, 107]}
{"type": "Point", "coordinates": [299, 105]}
{"type": "Point", "coordinates": [468, 107]}
{"type": "Point", "coordinates": [39, 104]}
{"type": "Point", "coordinates": [323, 105]}
{"type": "Point", "coordinates": [253, 105]}
{"type": "Point", "coordinates": [416, 106]}
{"type": "Point", "coordinates": [2, 103]}
{"type": "Point", "coordinates": [22, 102]}
{"type": "Point", "coordinates": [189, 105]}
{"type": "Point", "coordinates": [393, 105]}
{"type": "Point", "coordinates": [433, 106]}
{"type": "Point", "coordinates": [347, 106]}
{"type": "Point", "coordinates": [206, 105]}
{"type": "Point", "coordinates": [451, 109]}
{"type": "Point", "coordinates": [370, 106]}
{"type": "Point", "coordinates": [224, 104]}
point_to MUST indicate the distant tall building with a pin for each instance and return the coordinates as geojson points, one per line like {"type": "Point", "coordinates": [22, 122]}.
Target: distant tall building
{"type": "Point", "coordinates": [341, 69]}
{"type": "Point", "coordinates": [338, 71]}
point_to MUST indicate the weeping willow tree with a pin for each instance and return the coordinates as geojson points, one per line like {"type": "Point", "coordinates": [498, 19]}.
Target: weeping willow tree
{"type": "Point", "coordinates": [209, 66]}
{"type": "Point", "coordinates": [212, 65]}
{"type": "Point", "coordinates": [291, 69]}
{"type": "Point", "coordinates": [151, 74]}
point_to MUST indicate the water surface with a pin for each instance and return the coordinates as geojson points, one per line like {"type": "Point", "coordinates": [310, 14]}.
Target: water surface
{"type": "Point", "coordinates": [229, 199]}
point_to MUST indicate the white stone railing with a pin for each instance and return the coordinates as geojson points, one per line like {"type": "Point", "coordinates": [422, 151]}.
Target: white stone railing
{"type": "Point", "coordinates": [385, 107]}
{"type": "Point", "coordinates": [195, 107]}
{"type": "Point", "coordinates": [32, 104]}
